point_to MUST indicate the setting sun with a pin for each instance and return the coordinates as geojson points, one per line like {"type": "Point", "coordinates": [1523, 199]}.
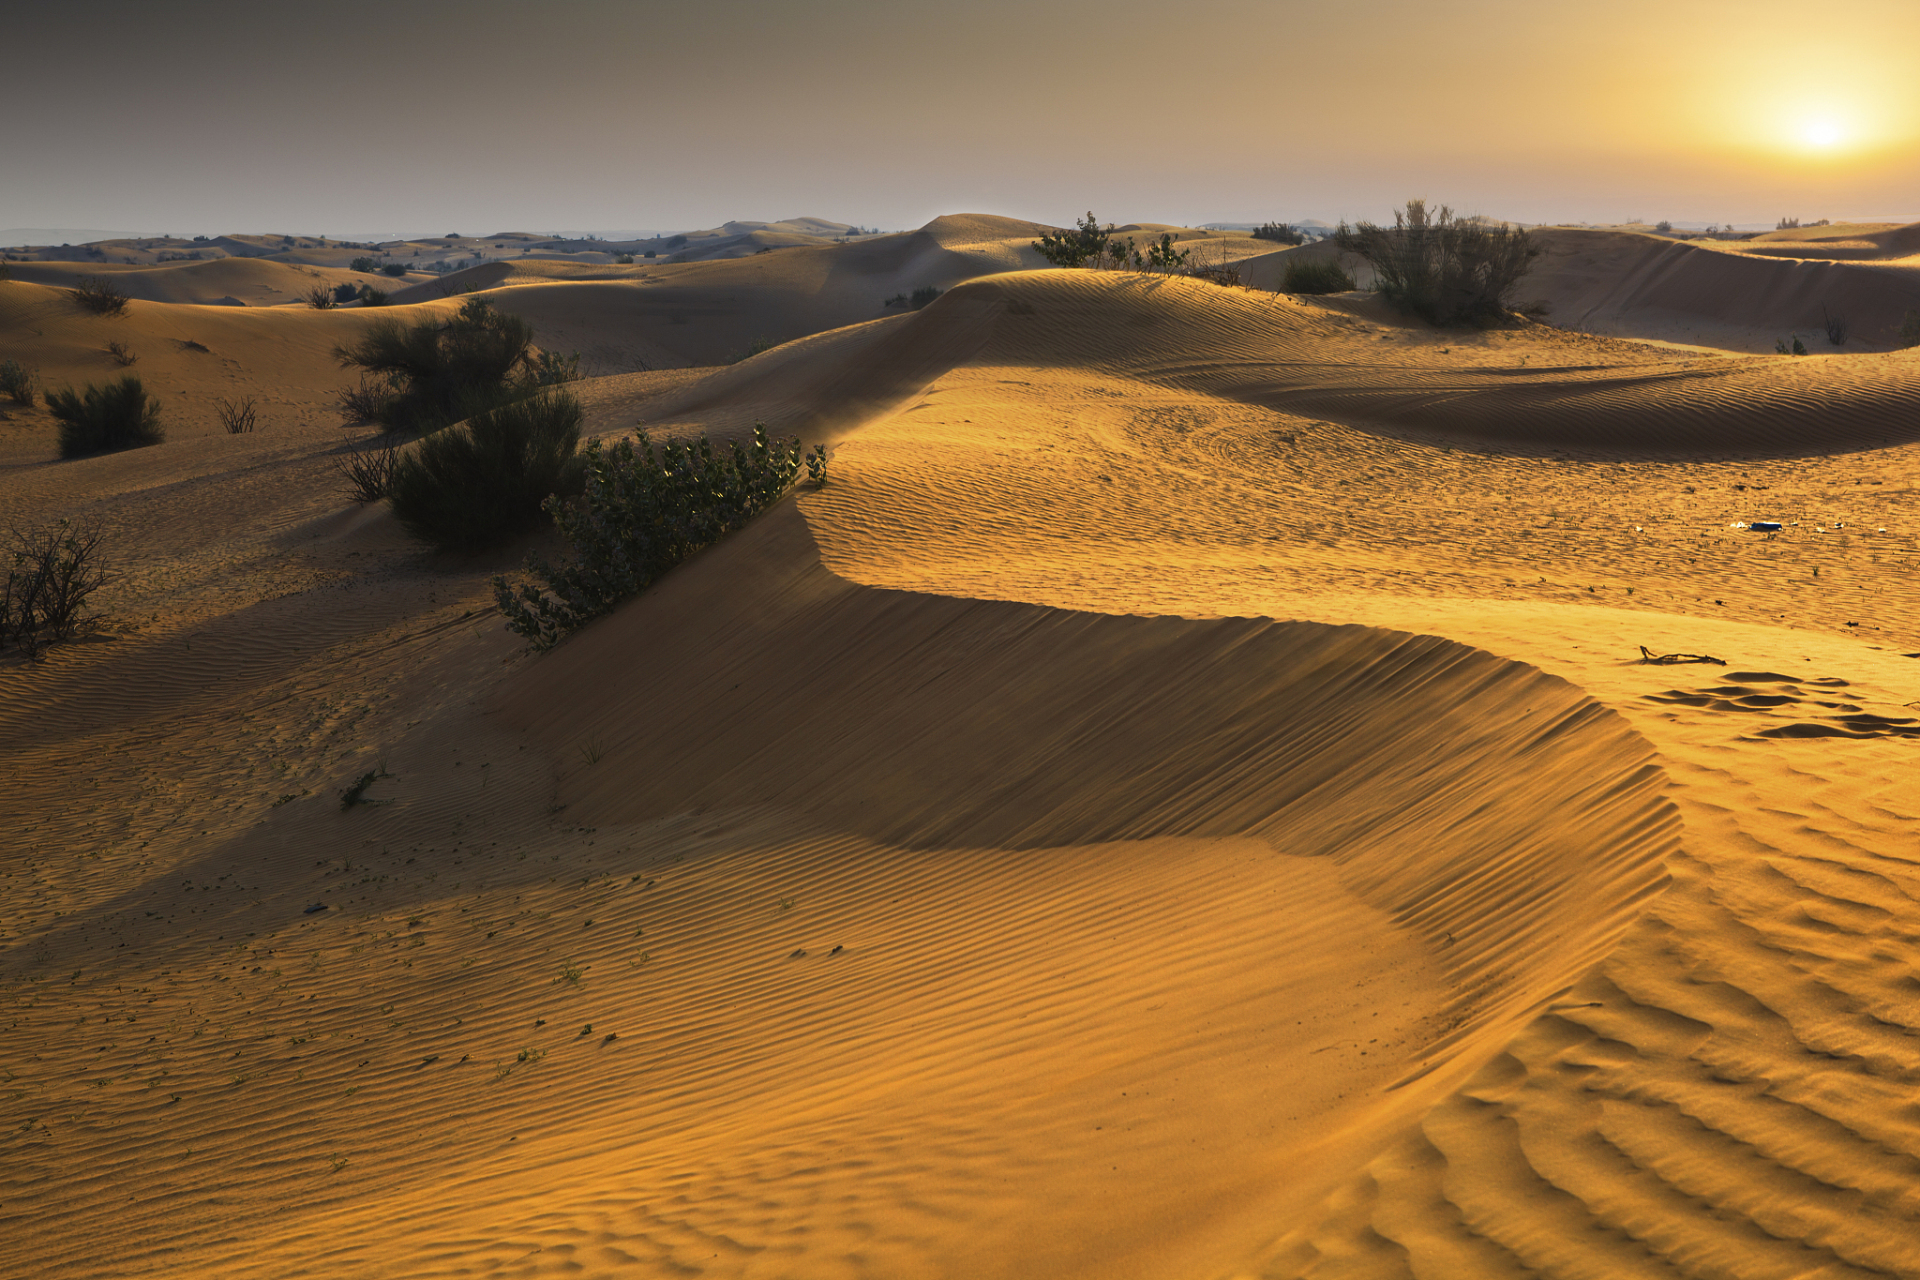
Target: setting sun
{"type": "Point", "coordinates": [1823, 134]}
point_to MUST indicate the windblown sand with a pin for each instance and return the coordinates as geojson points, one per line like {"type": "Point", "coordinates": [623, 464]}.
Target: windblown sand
{"type": "Point", "coordinates": [1183, 800]}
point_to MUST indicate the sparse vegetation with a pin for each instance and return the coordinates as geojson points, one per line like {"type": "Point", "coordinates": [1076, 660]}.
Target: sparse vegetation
{"type": "Point", "coordinates": [1315, 275]}
{"type": "Point", "coordinates": [394, 269]}
{"type": "Point", "coordinates": [17, 383]}
{"type": "Point", "coordinates": [471, 486]}
{"type": "Point", "coordinates": [356, 791]}
{"type": "Point", "coordinates": [432, 373]}
{"type": "Point", "coordinates": [364, 265]}
{"type": "Point", "coordinates": [238, 417]}
{"type": "Point", "coordinates": [1085, 245]}
{"type": "Point", "coordinates": [1798, 348]}
{"type": "Point", "coordinates": [372, 297]}
{"type": "Point", "coordinates": [917, 299]}
{"type": "Point", "coordinates": [1663, 227]}
{"type": "Point", "coordinates": [368, 472]}
{"type": "Point", "coordinates": [1836, 327]}
{"type": "Point", "coordinates": [120, 415]}
{"type": "Point", "coordinates": [754, 348]}
{"type": "Point", "coordinates": [1279, 233]}
{"type": "Point", "coordinates": [320, 298]}
{"type": "Point", "coordinates": [100, 296]}
{"type": "Point", "coordinates": [1445, 269]}
{"type": "Point", "coordinates": [641, 514]}
{"type": "Point", "coordinates": [122, 354]}
{"type": "Point", "coordinates": [1909, 332]}
{"type": "Point", "coordinates": [51, 573]}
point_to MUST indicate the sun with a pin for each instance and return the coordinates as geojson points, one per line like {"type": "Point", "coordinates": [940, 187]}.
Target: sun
{"type": "Point", "coordinates": [1822, 133]}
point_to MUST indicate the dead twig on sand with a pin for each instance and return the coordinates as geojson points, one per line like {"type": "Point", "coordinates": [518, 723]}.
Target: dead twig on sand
{"type": "Point", "coordinates": [1674, 659]}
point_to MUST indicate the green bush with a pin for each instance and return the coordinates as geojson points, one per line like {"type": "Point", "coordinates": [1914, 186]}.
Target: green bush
{"type": "Point", "coordinates": [16, 383]}
{"type": "Point", "coordinates": [440, 372]}
{"type": "Point", "coordinates": [1444, 269]}
{"type": "Point", "coordinates": [100, 296]}
{"type": "Point", "coordinates": [1315, 275]}
{"type": "Point", "coordinates": [120, 415]}
{"type": "Point", "coordinates": [471, 486]}
{"type": "Point", "coordinates": [640, 515]}
{"type": "Point", "coordinates": [1085, 245]}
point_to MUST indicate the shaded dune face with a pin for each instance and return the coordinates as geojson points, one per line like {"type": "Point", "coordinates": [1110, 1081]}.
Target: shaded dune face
{"type": "Point", "coordinates": [1509, 823]}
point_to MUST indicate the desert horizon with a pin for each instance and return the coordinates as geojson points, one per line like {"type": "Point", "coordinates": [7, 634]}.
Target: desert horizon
{"type": "Point", "coordinates": [1299, 660]}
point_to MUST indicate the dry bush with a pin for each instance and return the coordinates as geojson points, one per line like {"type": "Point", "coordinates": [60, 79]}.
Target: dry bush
{"type": "Point", "coordinates": [100, 296]}
{"type": "Point", "coordinates": [239, 417]}
{"type": "Point", "coordinates": [122, 354]}
{"type": "Point", "coordinates": [369, 472]}
{"type": "Point", "coordinates": [440, 372]}
{"type": "Point", "coordinates": [468, 487]}
{"type": "Point", "coordinates": [1445, 269]}
{"type": "Point", "coordinates": [16, 383]}
{"type": "Point", "coordinates": [1836, 327]}
{"type": "Point", "coordinates": [1315, 275]}
{"type": "Point", "coordinates": [320, 298]}
{"type": "Point", "coordinates": [366, 402]}
{"type": "Point", "coordinates": [50, 573]}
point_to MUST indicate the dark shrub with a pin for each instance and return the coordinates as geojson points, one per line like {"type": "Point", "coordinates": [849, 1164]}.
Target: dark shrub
{"type": "Point", "coordinates": [320, 298]}
{"type": "Point", "coordinates": [120, 415]}
{"type": "Point", "coordinates": [346, 292]}
{"type": "Point", "coordinates": [1446, 270]}
{"type": "Point", "coordinates": [1315, 275]}
{"type": "Point", "coordinates": [372, 297]}
{"type": "Point", "coordinates": [640, 515]}
{"type": "Point", "coordinates": [102, 297]}
{"type": "Point", "coordinates": [364, 265]}
{"type": "Point", "coordinates": [439, 372]}
{"type": "Point", "coordinates": [46, 578]}
{"type": "Point", "coordinates": [474, 485]}
{"type": "Point", "coordinates": [394, 269]}
{"type": "Point", "coordinates": [1836, 327]}
{"type": "Point", "coordinates": [370, 471]}
{"type": "Point", "coordinates": [1909, 334]}
{"type": "Point", "coordinates": [1279, 233]}
{"type": "Point", "coordinates": [122, 354]}
{"type": "Point", "coordinates": [16, 383]}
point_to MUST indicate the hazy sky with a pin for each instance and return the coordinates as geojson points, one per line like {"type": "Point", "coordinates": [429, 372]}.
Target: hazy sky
{"type": "Point", "coordinates": [424, 116]}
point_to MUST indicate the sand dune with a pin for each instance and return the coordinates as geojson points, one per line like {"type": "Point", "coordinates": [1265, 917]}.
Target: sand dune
{"type": "Point", "coordinates": [1182, 800]}
{"type": "Point", "coordinates": [221, 282]}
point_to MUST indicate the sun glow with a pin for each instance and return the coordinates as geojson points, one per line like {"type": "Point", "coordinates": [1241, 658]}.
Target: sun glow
{"type": "Point", "coordinates": [1823, 133]}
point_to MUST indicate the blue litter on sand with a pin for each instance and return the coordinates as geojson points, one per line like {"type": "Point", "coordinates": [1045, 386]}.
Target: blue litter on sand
{"type": "Point", "coordinates": [1765, 526]}
{"type": "Point", "coordinates": [318, 906]}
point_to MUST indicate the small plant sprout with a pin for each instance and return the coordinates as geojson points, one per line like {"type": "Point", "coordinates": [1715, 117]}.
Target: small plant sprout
{"type": "Point", "coordinates": [592, 751]}
{"type": "Point", "coordinates": [572, 973]}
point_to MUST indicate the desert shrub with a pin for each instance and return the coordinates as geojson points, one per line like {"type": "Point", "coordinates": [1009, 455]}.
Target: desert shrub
{"type": "Point", "coordinates": [1279, 233]}
{"type": "Point", "coordinates": [239, 417]}
{"type": "Point", "coordinates": [16, 383]}
{"type": "Point", "coordinates": [1315, 275]}
{"type": "Point", "coordinates": [394, 269]}
{"type": "Point", "coordinates": [754, 348]}
{"type": "Point", "coordinates": [650, 254]}
{"type": "Point", "coordinates": [122, 354]}
{"type": "Point", "coordinates": [918, 299]}
{"type": "Point", "coordinates": [624, 260]}
{"type": "Point", "coordinates": [368, 472]}
{"type": "Point", "coordinates": [1908, 336]}
{"type": "Point", "coordinates": [438, 372]}
{"type": "Point", "coordinates": [364, 265]}
{"type": "Point", "coordinates": [120, 415]}
{"type": "Point", "coordinates": [346, 292]}
{"type": "Point", "coordinates": [320, 298]}
{"type": "Point", "coordinates": [1085, 245]}
{"type": "Point", "coordinates": [1798, 348]}
{"type": "Point", "coordinates": [1836, 327]}
{"type": "Point", "coordinates": [1164, 257]}
{"type": "Point", "coordinates": [1663, 227]}
{"type": "Point", "coordinates": [474, 485]}
{"type": "Point", "coordinates": [49, 575]}
{"type": "Point", "coordinates": [640, 515]}
{"type": "Point", "coordinates": [100, 296]}
{"type": "Point", "coordinates": [1444, 269]}
{"type": "Point", "coordinates": [368, 400]}
{"type": "Point", "coordinates": [372, 297]}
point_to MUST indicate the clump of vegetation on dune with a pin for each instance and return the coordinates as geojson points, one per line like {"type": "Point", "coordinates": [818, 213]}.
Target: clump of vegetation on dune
{"type": "Point", "coordinates": [1445, 269]}
{"type": "Point", "coordinates": [423, 376]}
{"type": "Point", "coordinates": [1315, 275]}
{"type": "Point", "coordinates": [642, 513]}
{"type": "Point", "coordinates": [100, 296]}
{"type": "Point", "coordinates": [49, 574]}
{"type": "Point", "coordinates": [471, 486]}
{"type": "Point", "coordinates": [120, 415]}
{"type": "Point", "coordinates": [17, 383]}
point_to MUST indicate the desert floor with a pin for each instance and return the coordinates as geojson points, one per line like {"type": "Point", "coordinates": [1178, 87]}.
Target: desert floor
{"type": "Point", "coordinates": [1182, 800]}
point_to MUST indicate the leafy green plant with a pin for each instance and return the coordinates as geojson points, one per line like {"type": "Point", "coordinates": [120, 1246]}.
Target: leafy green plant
{"type": "Point", "coordinates": [1164, 257]}
{"type": "Point", "coordinates": [469, 487]}
{"type": "Point", "coordinates": [100, 296]}
{"type": "Point", "coordinates": [1445, 269]}
{"type": "Point", "coordinates": [51, 573]}
{"type": "Point", "coordinates": [641, 514]}
{"type": "Point", "coordinates": [439, 372]}
{"type": "Point", "coordinates": [1315, 275]}
{"type": "Point", "coordinates": [1085, 245]}
{"type": "Point", "coordinates": [16, 383]}
{"type": "Point", "coordinates": [120, 415]}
